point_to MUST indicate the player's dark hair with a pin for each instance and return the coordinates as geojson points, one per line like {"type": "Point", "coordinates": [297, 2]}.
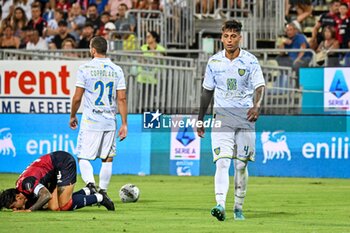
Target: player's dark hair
{"type": "Point", "coordinates": [232, 25]}
{"type": "Point", "coordinates": [100, 44]}
{"type": "Point", "coordinates": [155, 35]}
{"type": "Point", "coordinates": [7, 197]}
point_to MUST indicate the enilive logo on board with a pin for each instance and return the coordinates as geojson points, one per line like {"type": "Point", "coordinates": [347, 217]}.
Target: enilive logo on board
{"type": "Point", "coordinates": [334, 148]}
{"type": "Point", "coordinates": [37, 86]}
{"type": "Point", "coordinates": [6, 143]}
{"type": "Point", "coordinates": [275, 146]}
{"type": "Point", "coordinates": [49, 143]}
{"type": "Point", "coordinates": [336, 89]}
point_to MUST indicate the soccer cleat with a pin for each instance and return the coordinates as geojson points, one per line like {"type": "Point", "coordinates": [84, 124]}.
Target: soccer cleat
{"type": "Point", "coordinates": [218, 212]}
{"type": "Point", "coordinates": [238, 215]}
{"type": "Point", "coordinates": [106, 202]}
{"type": "Point", "coordinates": [92, 188]}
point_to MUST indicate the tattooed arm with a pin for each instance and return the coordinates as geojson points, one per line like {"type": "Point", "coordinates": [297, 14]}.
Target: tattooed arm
{"type": "Point", "coordinates": [44, 197]}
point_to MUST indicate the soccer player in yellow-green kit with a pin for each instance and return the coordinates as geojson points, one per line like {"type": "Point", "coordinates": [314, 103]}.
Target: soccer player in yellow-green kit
{"type": "Point", "coordinates": [234, 77]}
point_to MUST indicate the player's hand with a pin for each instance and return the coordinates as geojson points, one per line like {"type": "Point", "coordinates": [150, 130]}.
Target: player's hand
{"type": "Point", "coordinates": [200, 132]}
{"type": "Point", "coordinates": [73, 122]}
{"type": "Point", "coordinates": [253, 114]}
{"type": "Point", "coordinates": [123, 131]}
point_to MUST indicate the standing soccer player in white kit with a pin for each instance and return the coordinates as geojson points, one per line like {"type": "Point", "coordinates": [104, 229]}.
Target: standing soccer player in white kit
{"type": "Point", "coordinates": [102, 84]}
{"type": "Point", "coordinates": [234, 77]}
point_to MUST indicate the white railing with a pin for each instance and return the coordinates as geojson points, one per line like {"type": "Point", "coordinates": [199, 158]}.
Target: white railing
{"type": "Point", "coordinates": [342, 57]}
{"type": "Point", "coordinates": [177, 81]}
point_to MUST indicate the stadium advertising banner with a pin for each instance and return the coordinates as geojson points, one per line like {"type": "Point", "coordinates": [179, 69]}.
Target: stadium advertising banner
{"type": "Point", "coordinates": [325, 90]}
{"type": "Point", "coordinates": [25, 137]}
{"type": "Point", "coordinates": [302, 146]}
{"type": "Point", "coordinates": [336, 89]}
{"type": "Point", "coordinates": [184, 146]}
{"type": "Point", "coordinates": [37, 86]}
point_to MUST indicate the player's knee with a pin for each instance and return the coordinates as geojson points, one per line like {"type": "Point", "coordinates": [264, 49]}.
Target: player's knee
{"type": "Point", "coordinates": [223, 163]}
{"type": "Point", "coordinates": [240, 165]}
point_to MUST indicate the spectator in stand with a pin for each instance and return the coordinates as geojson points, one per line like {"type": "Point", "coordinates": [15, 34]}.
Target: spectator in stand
{"type": "Point", "coordinates": [52, 25]}
{"type": "Point", "coordinates": [84, 4]}
{"type": "Point", "coordinates": [326, 19]}
{"type": "Point", "coordinates": [153, 5]}
{"type": "Point", "coordinates": [329, 42]}
{"type": "Point", "coordinates": [93, 17]}
{"type": "Point", "coordinates": [19, 21]}
{"type": "Point", "coordinates": [101, 5]}
{"type": "Point", "coordinates": [35, 41]}
{"type": "Point", "coordinates": [8, 40]}
{"type": "Point", "coordinates": [130, 42]}
{"type": "Point", "coordinates": [6, 8]}
{"type": "Point", "coordinates": [64, 5]}
{"type": "Point", "coordinates": [343, 26]}
{"type": "Point", "coordinates": [5, 22]}
{"type": "Point", "coordinates": [87, 35]}
{"type": "Point", "coordinates": [113, 6]}
{"type": "Point", "coordinates": [130, 21]}
{"type": "Point", "coordinates": [148, 75]}
{"type": "Point", "coordinates": [107, 29]}
{"type": "Point", "coordinates": [69, 44]}
{"type": "Point", "coordinates": [303, 8]}
{"type": "Point", "coordinates": [37, 22]}
{"type": "Point", "coordinates": [105, 18]}
{"type": "Point", "coordinates": [25, 5]}
{"type": "Point", "coordinates": [62, 34]}
{"type": "Point", "coordinates": [295, 40]}
{"type": "Point", "coordinates": [49, 11]}
{"type": "Point", "coordinates": [152, 46]}
{"type": "Point", "coordinates": [347, 2]}
{"type": "Point", "coordinates": [76, 21]}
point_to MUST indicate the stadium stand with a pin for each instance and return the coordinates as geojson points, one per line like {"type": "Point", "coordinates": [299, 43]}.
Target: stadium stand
{"type": "Point", "coordinates": [190, 32]}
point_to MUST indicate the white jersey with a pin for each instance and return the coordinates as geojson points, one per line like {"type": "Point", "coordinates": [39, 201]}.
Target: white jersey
{"type": "Point", "coordinates": [234, 83]}
{"type": "Point", "coordinates": [100, 78]}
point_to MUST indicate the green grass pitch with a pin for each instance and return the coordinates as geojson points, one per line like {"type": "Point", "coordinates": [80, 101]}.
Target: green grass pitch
{"type": "Point", "coordinates": [182, 204]}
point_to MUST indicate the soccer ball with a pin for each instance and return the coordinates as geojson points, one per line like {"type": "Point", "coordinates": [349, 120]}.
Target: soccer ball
{"type": "Point", "coordinates": [129, 193]}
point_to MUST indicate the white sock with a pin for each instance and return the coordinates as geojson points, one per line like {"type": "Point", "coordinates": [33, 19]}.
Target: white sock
{"type": "Point", "coordinates": [105, 174]}
{"type": "Point", "coordinates": [86, 190]}
{"type": "Point", "coordinates": [222, 180]}
{"type": "Point", "coordinates": [87, 172]}
{"type": "Point", "coordinates": [99, 197]}
{"type": "Point", "coordinates": [241, 182]}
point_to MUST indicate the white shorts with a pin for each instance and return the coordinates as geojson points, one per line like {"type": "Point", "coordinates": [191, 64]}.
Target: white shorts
{"type": "Point", "coordinates": [233, 144]}
{"type": "Point", "coordinates": [96, 144]}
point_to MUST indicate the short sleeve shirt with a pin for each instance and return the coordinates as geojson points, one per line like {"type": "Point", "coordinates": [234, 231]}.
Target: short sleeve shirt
{"type": "Point", "coordinates": [100, 78]}
{"type": "Point", "coordinates": [234, 83]}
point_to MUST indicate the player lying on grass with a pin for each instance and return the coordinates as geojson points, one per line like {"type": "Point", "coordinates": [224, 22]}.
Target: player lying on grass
{"type": "Point", "coordinates": [48, 183]}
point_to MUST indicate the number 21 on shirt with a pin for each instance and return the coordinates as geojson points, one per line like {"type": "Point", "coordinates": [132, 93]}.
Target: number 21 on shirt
{"type": "Point", "coordinates": [102, 87]}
